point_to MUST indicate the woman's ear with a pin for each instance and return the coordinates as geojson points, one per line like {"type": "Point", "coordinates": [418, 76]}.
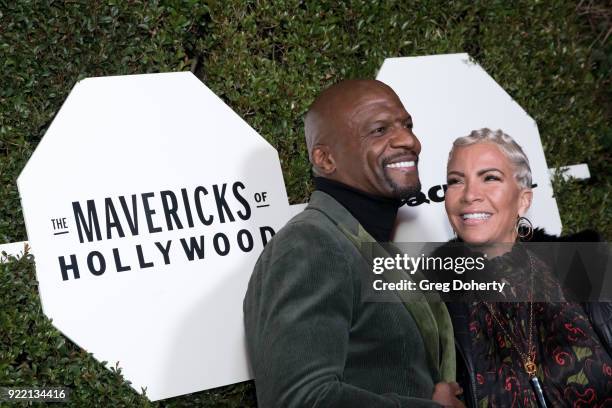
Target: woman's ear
{"type": "Point", "coordinates": [524, 201]}
{"type": "Point", "coordinates": [323, 160]}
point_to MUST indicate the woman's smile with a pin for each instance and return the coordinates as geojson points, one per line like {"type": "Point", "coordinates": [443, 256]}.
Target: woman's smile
{"type": "Point", "coordinates": [475, 217]}
{"type": "Point", "coordinates": [484, 199]}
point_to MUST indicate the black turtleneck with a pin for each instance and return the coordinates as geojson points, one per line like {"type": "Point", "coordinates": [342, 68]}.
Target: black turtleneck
{"type": "Point", "coordinates": [375, 214]}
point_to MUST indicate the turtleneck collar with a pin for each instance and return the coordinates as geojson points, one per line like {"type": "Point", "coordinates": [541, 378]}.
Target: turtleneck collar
{"type": "Point", "coordinates": [376, 214]}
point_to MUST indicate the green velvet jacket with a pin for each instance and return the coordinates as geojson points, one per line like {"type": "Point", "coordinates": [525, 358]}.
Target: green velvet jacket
{"type": "Point", "coordinates": [312, 339]}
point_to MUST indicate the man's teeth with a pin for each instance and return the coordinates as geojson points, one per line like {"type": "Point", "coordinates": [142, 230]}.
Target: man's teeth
{"type": "Point", "coordinates": [401, 164]}
{"type": "Point", "coordinates": [476, 216]}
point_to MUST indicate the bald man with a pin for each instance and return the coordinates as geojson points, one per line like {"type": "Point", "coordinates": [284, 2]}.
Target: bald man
{"type": "Point", "coordinates": [312, 338]}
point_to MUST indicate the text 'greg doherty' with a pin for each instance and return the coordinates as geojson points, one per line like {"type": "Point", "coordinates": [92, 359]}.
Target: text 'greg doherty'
{"type": "Point", "coordinates": [427, 286]}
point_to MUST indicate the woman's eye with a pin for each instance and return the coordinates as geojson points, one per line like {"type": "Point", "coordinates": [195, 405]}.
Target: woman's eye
{"type": "Point", "coordinates": [452, 181]}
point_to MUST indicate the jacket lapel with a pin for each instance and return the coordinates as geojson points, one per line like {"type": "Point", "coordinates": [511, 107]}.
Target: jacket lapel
{"type": "Point", "coordinates": [430, 315]}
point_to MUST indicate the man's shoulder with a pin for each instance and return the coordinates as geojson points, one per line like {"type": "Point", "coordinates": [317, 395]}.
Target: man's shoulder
{"type": "Point", "coordinates": [310, 226]}
{"type": "Point", "coordinates": [307, 244]}
{"type": "Point", "coordinates": [323, 214]}
{"type": "Point", "coordinates": [310, 216]}
{"type": "Point", "coordinates": [312, 231]}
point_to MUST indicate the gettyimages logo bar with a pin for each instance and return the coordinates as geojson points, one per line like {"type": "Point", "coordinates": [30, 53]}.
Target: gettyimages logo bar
{"type": "Point", "coordinates": [522, 272]}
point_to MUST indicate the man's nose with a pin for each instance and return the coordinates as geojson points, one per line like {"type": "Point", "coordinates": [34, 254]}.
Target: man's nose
{"type": "Point", "coordinates": [404, 138]}
{"type": "Point", "coordinates": [471, 192]}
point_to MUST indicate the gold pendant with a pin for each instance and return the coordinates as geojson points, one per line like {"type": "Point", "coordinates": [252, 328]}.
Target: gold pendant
{"type": "Point", "coordinates": [530, 367]}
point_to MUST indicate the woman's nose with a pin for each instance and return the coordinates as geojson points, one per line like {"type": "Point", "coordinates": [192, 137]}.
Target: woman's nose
{"type": "Point", "coordinates": [471, 192]}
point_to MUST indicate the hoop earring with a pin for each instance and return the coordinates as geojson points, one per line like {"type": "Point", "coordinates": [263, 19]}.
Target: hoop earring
{"type": "Point", "coordinates": [524, 228]}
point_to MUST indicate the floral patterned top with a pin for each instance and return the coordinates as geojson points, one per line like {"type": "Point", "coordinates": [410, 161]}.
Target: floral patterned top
{"type": "Point", "coordinates": [573, 368]}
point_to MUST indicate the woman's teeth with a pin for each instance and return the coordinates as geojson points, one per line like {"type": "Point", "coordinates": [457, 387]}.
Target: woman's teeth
{"type": "Point", "coordinates": [401, 164]}
{"type": "Point", "coordinates": [476, 216]}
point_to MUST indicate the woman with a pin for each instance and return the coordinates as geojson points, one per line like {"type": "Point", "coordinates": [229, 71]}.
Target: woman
{"type": "Point", "coordinates": [529, 354]}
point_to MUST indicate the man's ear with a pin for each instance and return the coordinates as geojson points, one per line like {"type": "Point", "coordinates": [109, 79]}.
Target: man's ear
{"type": "Point", "coordinates": [323, 160]}
{"type": "Point", "coordinates": [525, 197]}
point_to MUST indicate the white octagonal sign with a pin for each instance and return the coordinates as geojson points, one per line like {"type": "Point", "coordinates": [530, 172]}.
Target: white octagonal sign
{"type": "Point", "coordinates": [448, 96]}
{"type": "Point", "coordinates": [147, 204]}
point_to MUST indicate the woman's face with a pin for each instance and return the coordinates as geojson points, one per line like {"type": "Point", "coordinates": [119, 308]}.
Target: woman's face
{"type": "Point", "coordinates": [483, 199]}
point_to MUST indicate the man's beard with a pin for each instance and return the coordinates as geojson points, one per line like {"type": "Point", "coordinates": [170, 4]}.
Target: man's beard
{"type": "Point", "coordinates": [403, 192]}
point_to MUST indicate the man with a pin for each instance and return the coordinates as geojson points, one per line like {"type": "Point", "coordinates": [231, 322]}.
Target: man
{"type": "Point", "coordinates": [312, 339]}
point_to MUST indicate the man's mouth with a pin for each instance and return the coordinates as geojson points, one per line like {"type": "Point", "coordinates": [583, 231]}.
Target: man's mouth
{"type": "Point", "coordinates": [401, 165]}
{"type": "Point", "coordinates": [404, 163]}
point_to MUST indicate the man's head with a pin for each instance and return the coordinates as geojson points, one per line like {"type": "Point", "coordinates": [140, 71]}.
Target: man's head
{"type": "Point", "coordinates": [359, 133]}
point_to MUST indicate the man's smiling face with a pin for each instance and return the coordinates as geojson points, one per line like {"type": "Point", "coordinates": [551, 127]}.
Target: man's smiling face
{"type": "Point", "coordinates": [378, 152]}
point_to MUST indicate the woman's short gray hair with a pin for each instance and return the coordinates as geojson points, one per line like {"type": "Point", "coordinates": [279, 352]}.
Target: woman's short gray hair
{"type": "Point", "coordinates": [508, 146]}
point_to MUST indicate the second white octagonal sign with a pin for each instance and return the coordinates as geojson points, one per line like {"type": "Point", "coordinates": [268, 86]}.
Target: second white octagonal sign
{"type": "Point", "coordinates": [147, 203]}
{"type": "Point", "coordinates": [448, 96]}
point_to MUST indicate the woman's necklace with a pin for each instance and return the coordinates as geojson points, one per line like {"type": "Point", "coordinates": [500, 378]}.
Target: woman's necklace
{"type": "Point", "coordinates": [528, 359]}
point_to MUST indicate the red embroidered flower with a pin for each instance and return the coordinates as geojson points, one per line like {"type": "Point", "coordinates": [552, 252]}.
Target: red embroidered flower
{"type": "Point", "coordinates": [479, 378]}
{"type": "Point", "coordinates": [576, 331]}
{"type": "Point", "coordinates": [508, 383]}
{"type": "Point", "coordinates": [501, 341]}
{"type": "Point", "coordinates": [561, 356]}
{"type": "Point", "coordinates": [607, 370]}
{"type": "Point", "coordinates": [581, 400]}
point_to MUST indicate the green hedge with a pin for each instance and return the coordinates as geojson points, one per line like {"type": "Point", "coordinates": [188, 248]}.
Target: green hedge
{"type": "Point", "coordinates": [268, 60]}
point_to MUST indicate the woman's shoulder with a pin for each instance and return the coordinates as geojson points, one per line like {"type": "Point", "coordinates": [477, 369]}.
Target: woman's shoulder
{"type": "Point", "coordinates": [587, 235]}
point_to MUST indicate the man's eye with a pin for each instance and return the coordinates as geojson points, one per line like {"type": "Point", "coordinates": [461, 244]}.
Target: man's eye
{"type": "Point", "coordinates": [379, 130]}
{"type": "Point", "coordinates": [408, 124]}
{"type": "Point", "coordinates": [491, 177]}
